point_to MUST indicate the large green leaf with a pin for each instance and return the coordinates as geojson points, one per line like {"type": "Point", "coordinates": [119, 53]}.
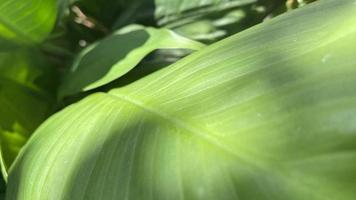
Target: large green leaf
{"type": "Point", "coordinates": [26, 22]}
{"type": "Point", "coordinates": [117, 54]}
{"type": "Point", "coordinates": [268, 114]}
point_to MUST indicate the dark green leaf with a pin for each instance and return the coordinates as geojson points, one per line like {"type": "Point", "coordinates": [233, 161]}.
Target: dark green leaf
{"type": "Point", "coordinates": [117, 54]}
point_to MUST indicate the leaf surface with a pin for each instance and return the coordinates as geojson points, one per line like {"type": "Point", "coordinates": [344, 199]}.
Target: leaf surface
{"type": "Point", "coordinates": [268, 114]}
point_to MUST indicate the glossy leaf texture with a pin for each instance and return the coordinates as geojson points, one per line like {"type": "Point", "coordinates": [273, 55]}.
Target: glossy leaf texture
{"type": "Point", "coordinates": [268, 114]}
{"type": "Point", "coordinates": [26, 22]}
{"type": "Point", "coordinates": [24, 103]}
{"type": "Point", "coordinates": [111, 58]}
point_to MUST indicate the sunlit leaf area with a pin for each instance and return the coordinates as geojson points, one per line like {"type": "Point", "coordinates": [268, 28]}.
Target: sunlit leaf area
{"type": "Point", "coordinates": [178, 99]}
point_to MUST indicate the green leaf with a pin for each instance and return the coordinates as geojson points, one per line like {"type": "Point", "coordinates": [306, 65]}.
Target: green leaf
{"type": "Point", "coordinates": [117, 54]}
{"type": "Point", "coordinates": [24, 103]}
{"type": "Point", "coordinates": [26, 22]}
{"type": "Point", "coordinates": [216, 24]}
{"type": "Point", "coordinates": [211, 29]}
{"type": "Point", "coordinates": [170, 10]}
{"type": "Point", "coordinates": [268, 114]}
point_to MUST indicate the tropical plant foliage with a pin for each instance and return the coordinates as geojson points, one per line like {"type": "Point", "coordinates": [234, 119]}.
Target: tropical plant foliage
{"type": "Point", "coordinates": [178, 100]}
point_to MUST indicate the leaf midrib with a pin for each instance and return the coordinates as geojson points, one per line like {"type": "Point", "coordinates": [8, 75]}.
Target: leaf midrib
{"type": "Point", "coordinates": [202, 133]}
{"type": "Point", "coordinates": [198, 131]}
{"type": "Point", "coordinates": [207, 136]}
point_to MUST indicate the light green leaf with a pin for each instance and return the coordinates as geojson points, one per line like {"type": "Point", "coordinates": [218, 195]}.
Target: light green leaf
{"type": "Point", "coordinates": [268, 114]}
{"type": "Point", "coordinates": [26, 21]}
{"type": "Point", "coordinates": [117, 54]}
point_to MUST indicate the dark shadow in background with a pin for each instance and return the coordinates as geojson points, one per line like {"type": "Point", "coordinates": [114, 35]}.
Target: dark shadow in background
{"type": "Point", "coordinates": [114, 14]}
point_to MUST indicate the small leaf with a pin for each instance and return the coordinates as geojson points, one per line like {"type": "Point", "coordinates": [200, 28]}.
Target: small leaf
{"type": "Point", "coordinates": [117, 54]}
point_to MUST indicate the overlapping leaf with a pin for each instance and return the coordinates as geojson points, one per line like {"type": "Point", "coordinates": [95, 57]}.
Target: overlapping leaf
{"type": "Point", "coordinates": [169, 10]}
{"type": "Point", "coordinates": [26, 22]}
{"type": "Point", "coordinates": [268, 114]}
{"type": "Point", "coordinates": [117, 54]}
